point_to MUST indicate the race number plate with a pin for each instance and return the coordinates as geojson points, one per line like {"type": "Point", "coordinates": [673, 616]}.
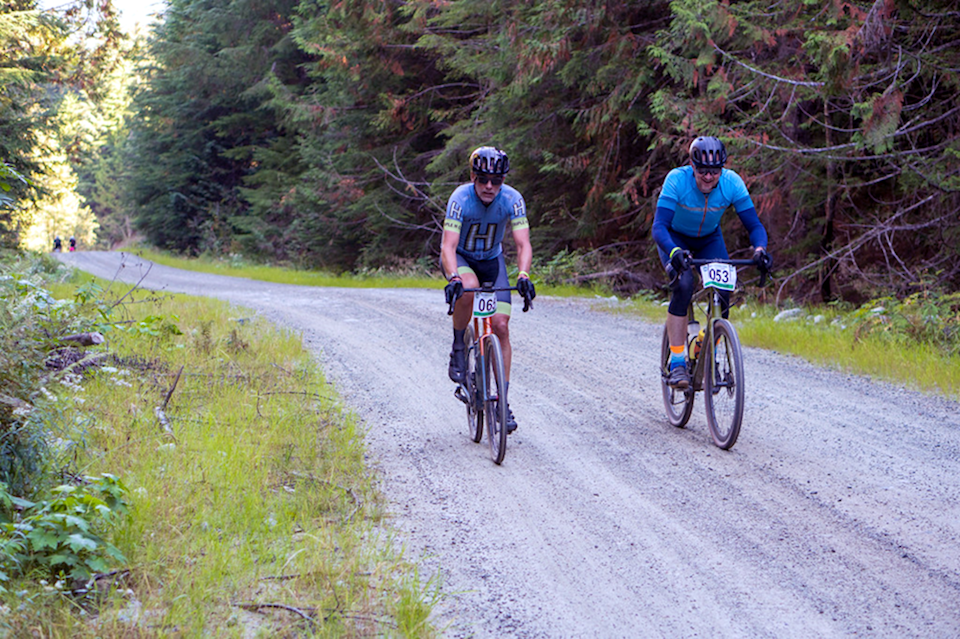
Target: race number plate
{"type": "Point", "coordinates": [721, 276]}
{"type": "Point", "coordinates": [484, 304]}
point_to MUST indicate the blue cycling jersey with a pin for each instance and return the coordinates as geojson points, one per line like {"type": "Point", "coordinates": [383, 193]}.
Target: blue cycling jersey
{"type": "Point", "coordinates": [481, 227]}
{"type": "Point", "coordinates": [684, 209]}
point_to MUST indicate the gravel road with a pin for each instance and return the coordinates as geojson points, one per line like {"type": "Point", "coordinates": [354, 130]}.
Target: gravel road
{"type": "Point", "coordinates": [836, 514]}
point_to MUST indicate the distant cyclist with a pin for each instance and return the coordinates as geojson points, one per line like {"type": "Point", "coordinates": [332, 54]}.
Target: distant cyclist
{"type": "Point", "coordinates": [687, 223]}
{"type": "Point", "coordinates": [471, 251]}
{"type": "Point", "coordinates": [73, 243]}
{"type": "Point", "coordinates": [57, 244]}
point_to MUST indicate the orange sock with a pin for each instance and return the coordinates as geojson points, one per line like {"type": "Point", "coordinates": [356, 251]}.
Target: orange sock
{"type": "Point", "coordinates": [676, 357]}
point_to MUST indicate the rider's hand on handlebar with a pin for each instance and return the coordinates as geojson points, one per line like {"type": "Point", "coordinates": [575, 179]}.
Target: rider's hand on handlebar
{"type": "Point", "coordinates": [525, 288]}
{"type": "Point", "coordinates": [453, 290]}
{"type": "Point", "coordinates": [763, 259]}
{"type": "Point", "coordinates": [679, 260]}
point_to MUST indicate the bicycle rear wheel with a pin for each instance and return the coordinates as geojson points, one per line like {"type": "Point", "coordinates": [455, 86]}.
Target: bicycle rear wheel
{"type": "Point", "coordinates": [679, 404]}
{"type": "Point", "coordinates": [724, 386]}
{"type": "Point", "coordinates": [474, 407]}
{"type": "Point", "coordinates": [495, 405]}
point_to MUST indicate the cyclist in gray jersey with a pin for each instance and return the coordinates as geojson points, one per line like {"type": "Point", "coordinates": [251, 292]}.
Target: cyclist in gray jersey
{"type": "Point", "coordinates": [471, 251]}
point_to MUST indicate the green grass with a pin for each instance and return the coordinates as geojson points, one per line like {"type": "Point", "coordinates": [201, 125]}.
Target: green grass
{"type": "Point", "coordinates": [828, 338]}
{"type": "Point", "coordinates": [410, 277]}
{"type": "Point", "coordinates": [253, 512]}
{"type": "Point", "coordinates": [252, 507]}
{"type": "Point", "coordinates": [910, 363]}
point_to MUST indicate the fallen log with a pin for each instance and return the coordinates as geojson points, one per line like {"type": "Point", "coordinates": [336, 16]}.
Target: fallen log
{"type": "Point", "coordinates": [85, 339]}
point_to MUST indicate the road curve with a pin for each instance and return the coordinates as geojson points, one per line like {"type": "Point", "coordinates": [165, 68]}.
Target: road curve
{"type": "Point", "coordinates": [836, 514]}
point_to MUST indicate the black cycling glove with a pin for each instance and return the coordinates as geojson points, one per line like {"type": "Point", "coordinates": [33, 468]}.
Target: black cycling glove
{"type": "Point", "coordinates": [525, 288]}
{"type": "Point", "coordinates": [763, 259]}
{"type": "Point", "coordinates": [678, 260]}
{"type": "Point", "coordinates": [453, 290]}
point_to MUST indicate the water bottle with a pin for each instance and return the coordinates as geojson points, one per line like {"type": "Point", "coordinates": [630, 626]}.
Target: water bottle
{"type": "Point", "coordinates": [698, 343]}
{"type": "Point", "coordinates": [693, 329]}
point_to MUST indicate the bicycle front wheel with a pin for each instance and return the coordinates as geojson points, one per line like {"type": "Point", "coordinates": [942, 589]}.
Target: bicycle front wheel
{"type": "Point", "coordinates": [724, 385]}
{"type": "Point", "coordinates": [495, 405]}
{"type": "Point", "coordinates": [679, 404]}
{"type": "Point", "coordinates": [474, 405]}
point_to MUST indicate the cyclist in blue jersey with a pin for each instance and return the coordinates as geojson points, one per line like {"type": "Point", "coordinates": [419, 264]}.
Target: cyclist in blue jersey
{"type": "Point", "coordinates": [471, 251]}
{"type": "Point", "coordinates": [687, 224]}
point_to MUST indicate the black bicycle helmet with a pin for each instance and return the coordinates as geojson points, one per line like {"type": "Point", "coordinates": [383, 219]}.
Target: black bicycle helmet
{"type": "Point", "coordinates": [489, 160]}
{"type": "Point", "coordinates": [708, 152]}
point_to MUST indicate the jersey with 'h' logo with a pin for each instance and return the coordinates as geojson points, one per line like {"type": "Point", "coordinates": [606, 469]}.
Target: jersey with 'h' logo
{"type": "Point", "coordinates": [482, 227]}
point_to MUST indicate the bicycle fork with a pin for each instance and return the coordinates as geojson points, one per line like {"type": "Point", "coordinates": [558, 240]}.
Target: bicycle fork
{"type": "Point", "coordinates": [462, 391]}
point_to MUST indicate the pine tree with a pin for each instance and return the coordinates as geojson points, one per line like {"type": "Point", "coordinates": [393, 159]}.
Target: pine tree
{"type": "Point", "coordinates": [202, 117]}
{"type": "Point", "coordinates": [844, 119]}
{"type": "Point", "coordinates": [46, 59]}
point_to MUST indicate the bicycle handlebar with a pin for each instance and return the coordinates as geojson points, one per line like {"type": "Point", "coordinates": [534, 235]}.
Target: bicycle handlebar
{"type": "Point", "coordinates": [698, 262]}
{"type": "Point", "coordinates": [527, 302]}
{"type": "Point", "coordinates": [763, 272]}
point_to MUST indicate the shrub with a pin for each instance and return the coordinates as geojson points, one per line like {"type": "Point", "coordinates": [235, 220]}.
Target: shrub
{"type": "Point", "coordinates": [925, 317]}
{"type": "Point", "coordinates": [61, 536]}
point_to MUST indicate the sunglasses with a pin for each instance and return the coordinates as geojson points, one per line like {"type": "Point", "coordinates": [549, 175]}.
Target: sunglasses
{"type": "Point", "coordinates": [708, 171]}
{"type": "Point", "coordinates": [495, 180]}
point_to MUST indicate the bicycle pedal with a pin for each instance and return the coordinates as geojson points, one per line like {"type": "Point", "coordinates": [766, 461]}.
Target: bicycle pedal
{"type": "Point", "coordinates": [462, 396]}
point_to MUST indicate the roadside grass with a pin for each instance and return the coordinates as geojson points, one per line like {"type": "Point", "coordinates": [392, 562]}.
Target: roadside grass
{"type": "Point", "coordinates": [253, 511]}
{"type": "Point", "coordinates": [409, 276]}
{"type": "Point", "coordinates": [828, 341]}
{"type": "Point", "coordinates": [832, 339]}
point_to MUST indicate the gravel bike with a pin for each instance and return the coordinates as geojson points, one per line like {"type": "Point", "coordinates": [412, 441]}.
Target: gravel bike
{"type": "Point", "coordinates": [484, 388]}
{"type": "Point", "coordinates": [716, 370]}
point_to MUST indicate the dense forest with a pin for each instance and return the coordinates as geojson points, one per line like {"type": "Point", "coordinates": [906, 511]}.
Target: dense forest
{"type": "Point", "coordinates": [329, 133]}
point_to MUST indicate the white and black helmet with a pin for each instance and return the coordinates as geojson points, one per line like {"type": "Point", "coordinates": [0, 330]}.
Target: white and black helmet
{"type": "Point", "coordinates": [489, 160]}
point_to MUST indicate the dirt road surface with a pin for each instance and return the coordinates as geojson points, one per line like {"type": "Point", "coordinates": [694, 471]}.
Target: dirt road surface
{"type": "Point", "coordinates": [836, 514]}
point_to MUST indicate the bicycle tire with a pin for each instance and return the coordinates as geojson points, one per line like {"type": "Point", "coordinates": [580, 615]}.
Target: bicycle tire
{"type": "Point", "coordinates": [723, 388]}
{"type": "Point", "coordinates": [474, 409]}
{"type": "Point", "coordinates": [678, 403]}
{"type": "Point", "coordinates": [495, 404]}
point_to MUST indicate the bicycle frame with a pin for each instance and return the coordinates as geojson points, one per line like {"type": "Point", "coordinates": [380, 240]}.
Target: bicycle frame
{"type": "Point", "coordinates": [485, 392]}
{"type": "Point", "coordinates": [700, 363]}
{"type": "Point", "coordinates": [717, 370]}
{"type": "Point", "coordinates": [712, 313]}
{"type": "Point", "coordinates": [482, 339]}
{"type": "Point", "coordinates": [482, 336]}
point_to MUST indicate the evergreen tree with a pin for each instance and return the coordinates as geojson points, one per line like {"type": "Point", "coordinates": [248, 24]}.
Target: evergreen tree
{"type": "Point", "coordinates": [45, 58]}
{"type": "Point", "coordinates": [561, 85]}
{"type": "Point", "coordinates": [331, 133]}
{"type": "Point", "coordinates": [844, 120]}
{"type": "Point", "coordinates": [201, 117]}
{"type": "Point", "coordinates": [364, 137]}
